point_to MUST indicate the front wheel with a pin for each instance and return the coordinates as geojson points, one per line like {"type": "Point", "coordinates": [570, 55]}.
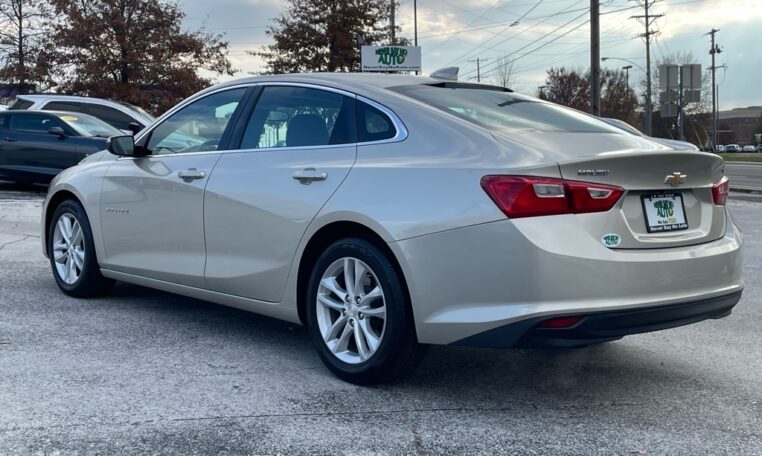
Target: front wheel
{"type": "Point", "coordinates": [358, 315]}
{"type": "Point", "coordinates": [72, 252]}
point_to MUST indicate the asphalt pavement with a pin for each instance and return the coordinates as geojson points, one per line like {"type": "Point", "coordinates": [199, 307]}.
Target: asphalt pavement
{"type": "Point", "coordinates": [145, 372]}
{"type": "Point", "coordinates": [747, 176]}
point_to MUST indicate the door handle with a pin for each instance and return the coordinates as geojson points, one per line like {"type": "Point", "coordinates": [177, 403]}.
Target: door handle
{"type": "Point", "coordinates": [191, 173]}
{"type": "Point", "coordinates": [10, 139]}
{"type": "Point", "coordinates": [309, 175]}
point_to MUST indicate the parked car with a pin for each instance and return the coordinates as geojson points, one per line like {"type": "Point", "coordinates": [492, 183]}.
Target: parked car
{"type": "Point", "coordinates": [671, 143]}
{"type": "Point", "coordinates": [124, 116]}
{"type": "Point", "coordinates": [37, 145]}
{"type": "Point", "coordinates": [732, 148]}
{"type": "Point", "coordinates": [388, 212]}
{"type": "Point", "coordinates": [720, 148]}
{"type": "Point", "coordinates": [750, 148]}
{"type": "Point", "coordinates": [759, 147]}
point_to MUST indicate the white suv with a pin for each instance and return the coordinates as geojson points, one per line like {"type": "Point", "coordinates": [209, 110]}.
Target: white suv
{"type": "Point", "coordinates": [124, 116]}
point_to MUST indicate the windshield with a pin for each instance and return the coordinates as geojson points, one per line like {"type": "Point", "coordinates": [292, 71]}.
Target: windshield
{"type": "Point", "coordinates": [90, 126]}
{"type": "Point", "coordinates": [496, 108]}
{"type": "Point", "coordinates": [138, 109]}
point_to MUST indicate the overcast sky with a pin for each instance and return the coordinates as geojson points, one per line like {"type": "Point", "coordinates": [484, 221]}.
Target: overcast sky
{"type": "Point", "coordinates": [548, 33]}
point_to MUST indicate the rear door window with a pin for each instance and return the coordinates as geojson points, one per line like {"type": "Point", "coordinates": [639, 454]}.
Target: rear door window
{"type": "Point", "coordinates": [111, 116]}
{"type": "Point", "coordinates": [20, 104]}
{"type": "Point", "coordinates": [67, 106]}
{"type": "Point", "coordinates": [287, 116]}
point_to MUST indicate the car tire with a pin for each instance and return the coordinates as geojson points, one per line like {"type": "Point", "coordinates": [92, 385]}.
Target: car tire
{"type": "Point", "coordinates": [386, 347]}
{"type": "Point", "coordinates": [72, 252]}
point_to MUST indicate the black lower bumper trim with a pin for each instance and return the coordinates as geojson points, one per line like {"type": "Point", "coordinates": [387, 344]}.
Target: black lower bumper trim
{"type": "Point", "coordinates": [603, 326]}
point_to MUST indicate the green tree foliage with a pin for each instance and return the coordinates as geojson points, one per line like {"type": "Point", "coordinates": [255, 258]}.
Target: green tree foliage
{"type": "Point", "coordinates": [322, 35]}
{"type": "Point", "coordinates": [133, 50]}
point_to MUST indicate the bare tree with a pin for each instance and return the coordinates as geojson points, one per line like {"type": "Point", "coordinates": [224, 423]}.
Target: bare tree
{"type": "Point", "coordinates": [23, 28]}
{"type": "Point", "coordinates": [505, 72]}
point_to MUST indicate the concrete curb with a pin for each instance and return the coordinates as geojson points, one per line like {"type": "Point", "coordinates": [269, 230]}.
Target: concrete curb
{"type": "Point", "coordinates": [746, 190]}
{"type": "Point", "coordinates": [732, 162]}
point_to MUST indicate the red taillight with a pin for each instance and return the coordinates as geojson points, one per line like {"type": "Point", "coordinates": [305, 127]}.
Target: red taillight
{"type": "Point", "coordinates": [559, 322]}
{"type": "Point", "coordinates": [529, 196]}
{"type": "Point", "coordinates": [720, 191]}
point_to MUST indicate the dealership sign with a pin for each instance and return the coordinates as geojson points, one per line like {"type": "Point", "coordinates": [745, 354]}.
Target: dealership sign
{"type": "Point", "coordinates": [391, 58]}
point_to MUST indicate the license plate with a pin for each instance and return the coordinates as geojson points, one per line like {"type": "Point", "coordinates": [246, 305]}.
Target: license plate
{"type": "Point", "coordinates": [664, 212]}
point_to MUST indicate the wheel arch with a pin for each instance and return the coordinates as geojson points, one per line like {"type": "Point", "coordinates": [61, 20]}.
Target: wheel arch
{"type": "Point", "coordinates": [329, 234]}
{"type": "Point", "coordinates": [53, 202]}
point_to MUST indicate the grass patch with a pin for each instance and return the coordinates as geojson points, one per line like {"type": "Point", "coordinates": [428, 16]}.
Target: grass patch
{"type": "Point", "coordinates": [748, 157]}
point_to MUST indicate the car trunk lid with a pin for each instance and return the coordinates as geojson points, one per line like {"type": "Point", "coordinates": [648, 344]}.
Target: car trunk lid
{"type": "Point", "coordinates": [668, 200]}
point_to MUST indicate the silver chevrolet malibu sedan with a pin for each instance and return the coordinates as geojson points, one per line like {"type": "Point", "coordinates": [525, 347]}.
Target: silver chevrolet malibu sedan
{"type": "Point", "coordinates": [389, 212]}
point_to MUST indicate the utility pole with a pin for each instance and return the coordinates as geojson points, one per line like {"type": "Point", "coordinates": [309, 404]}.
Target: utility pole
{"type": "Point", "coordinates": [626, 69]}
{"type": "Point", "coordinates": [595, 58]}
{"type": "Point", "coordinates": [415, 23]}
{"type": "Point", "coordinates": [392, 25]}
{"type": "Point", "coordinates": [714, 49]}
{"type": "Point", "coordinates": [647, 19]}
{"type": "Point", "coordinates": [478, 68]}
{"type": "Point", "coordinates": [415, 26]}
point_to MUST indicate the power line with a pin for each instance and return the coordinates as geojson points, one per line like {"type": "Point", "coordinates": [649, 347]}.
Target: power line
{"type": "Point", "coordinates": [545, 36]}
{"type": "Point", "coordinates": [476, 51]}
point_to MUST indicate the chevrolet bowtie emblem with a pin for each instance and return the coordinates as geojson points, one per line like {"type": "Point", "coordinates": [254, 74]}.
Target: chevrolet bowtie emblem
{"type": "Point", "coordinates": [675, 179]}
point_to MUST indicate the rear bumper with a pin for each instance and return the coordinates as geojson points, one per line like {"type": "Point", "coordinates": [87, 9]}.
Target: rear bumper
{"type": "Point", "coordinates": [468, 281]}
{"type": "Point", "coordinates": [604, 326]}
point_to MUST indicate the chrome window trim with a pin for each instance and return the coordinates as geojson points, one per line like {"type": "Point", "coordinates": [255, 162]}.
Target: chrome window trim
{"type": "Point", "coordinates": [400, 135]}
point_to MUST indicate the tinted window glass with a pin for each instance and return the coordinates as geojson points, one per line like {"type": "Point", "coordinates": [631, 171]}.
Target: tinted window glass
{"type": "Point", "coordinates": [298, 117]}
{"type": "Point", "coordinates": [3, 122]}
{"type": "Point", "coordinates": [197, 127]}
{"type": "Point", "coordinates": [63, 106]}
{"type": "Point", "coordinates": [111, 116]}
{"type": "Point", "coordinates": [497, 109]}
{"type": "Point", "coordinates": [372, 124]}
{"type": "Point", "coordinates": [21, 104]}
{"type": "Point", "coordinates": [34, 123]}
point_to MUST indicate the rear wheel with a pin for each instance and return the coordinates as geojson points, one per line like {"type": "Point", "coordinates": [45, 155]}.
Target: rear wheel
{"type": "Point", "coordinates": [358, 315]}
{"type": "Point", "coordinates": [72, 252]}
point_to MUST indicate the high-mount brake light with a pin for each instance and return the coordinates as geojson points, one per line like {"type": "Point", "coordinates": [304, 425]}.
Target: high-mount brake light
{"type": "Point", "coordinates": [720, 191]}
{"type": "Point", "coordinates": [532, 196]}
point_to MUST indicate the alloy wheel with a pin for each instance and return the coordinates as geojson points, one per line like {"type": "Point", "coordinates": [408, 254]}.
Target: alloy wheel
{"type": "Point", "coordinates": [68, 249]}
{"type": "Point", "coordinates": [351, 310]}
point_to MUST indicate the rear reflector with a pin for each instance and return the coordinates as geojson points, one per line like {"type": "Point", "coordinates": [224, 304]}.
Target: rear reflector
{"type": "Point", "coordinates": [530, 196]}
{"type": "Point", "coordinates": [560, 322]}
{"type": "Point", "coordinates": [720, 191]}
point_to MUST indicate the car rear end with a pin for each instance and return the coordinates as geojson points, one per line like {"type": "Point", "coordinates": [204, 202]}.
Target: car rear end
{"type": "Point", "coordinates": [617, 237]}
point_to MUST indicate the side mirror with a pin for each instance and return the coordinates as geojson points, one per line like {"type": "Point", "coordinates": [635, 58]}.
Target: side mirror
{"type": "Point", "coordinates": [57, 131]}
{"type": "Point", "coordinates": [134, 127]}
{"type": "Point", "coordinates": [123, 146]}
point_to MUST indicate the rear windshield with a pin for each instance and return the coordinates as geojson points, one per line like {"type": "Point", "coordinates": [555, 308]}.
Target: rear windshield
{"type": "Point", "coordinates": [499, 109]}
{"type": "Point", "coordinates": [21, 104]}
